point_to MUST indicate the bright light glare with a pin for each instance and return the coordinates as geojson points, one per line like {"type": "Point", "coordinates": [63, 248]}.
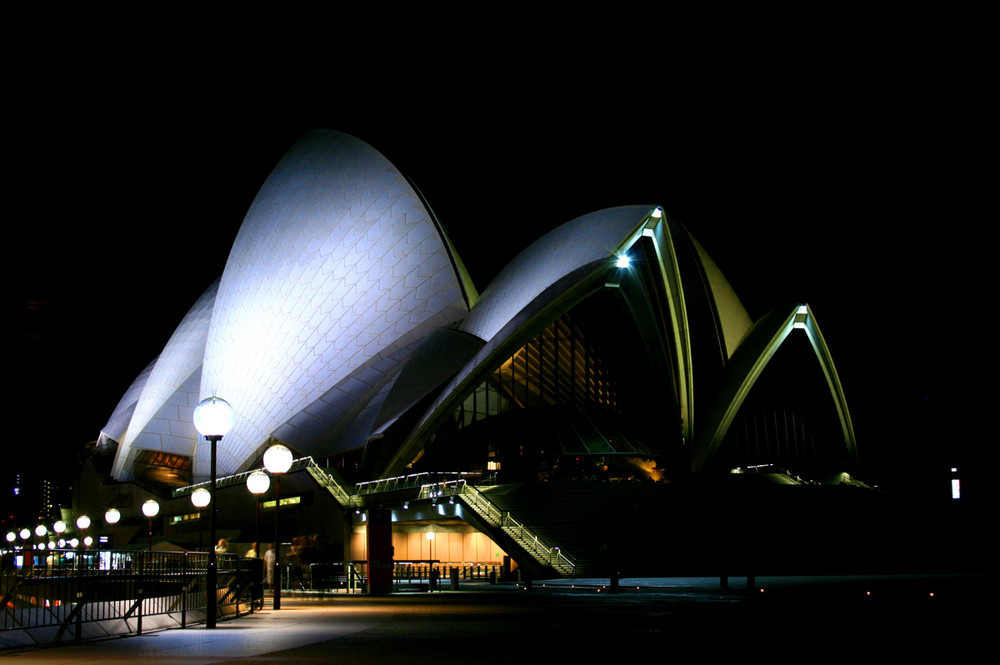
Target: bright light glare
{"type": "Point", "coordinates": [278, 459]}
{"type": "Point", "coordinates": [201, 497]}
{"type": "Point", "coordinates": [623, 261]}
{"type": "Point", "coordinates": [258, 482]}
{"type": "Point", "coordinates": [150, 508]}
{"type": "Point", "coordinates": [214, 417]}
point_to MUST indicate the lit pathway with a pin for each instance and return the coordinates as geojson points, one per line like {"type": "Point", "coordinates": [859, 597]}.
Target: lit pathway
{"type": "Point", "coordinates": [580, 622]}
{"type": "Point", "coordinates": [298, 623]}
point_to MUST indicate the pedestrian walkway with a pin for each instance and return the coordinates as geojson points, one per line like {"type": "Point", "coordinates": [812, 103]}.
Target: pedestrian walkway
{"type": "Point", "coordinates": [299, 622]}
{"type": "Point", "coordinates": [574, 621]}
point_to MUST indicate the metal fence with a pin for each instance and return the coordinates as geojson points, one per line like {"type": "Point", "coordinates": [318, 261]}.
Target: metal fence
{"type": "Point", "coordinates": [68, 591]}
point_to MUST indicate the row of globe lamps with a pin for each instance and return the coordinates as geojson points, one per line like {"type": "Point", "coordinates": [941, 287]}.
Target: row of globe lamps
{"type": "Point", "coordinates": [213, 418]}
{"type": "Point", "coordinates": [150, 509]}
{"type": "Point", "coordinates": [59, 528]}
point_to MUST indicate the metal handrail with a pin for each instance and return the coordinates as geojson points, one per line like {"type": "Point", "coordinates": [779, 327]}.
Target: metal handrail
{"type": "Point", "coordinates": [456, 487]}
{"type": "Point", "coordinates": [327, 480]}
{"type": "Point", "coordinates": [321, 475]}
{"type": "Point", "coordinates": [485, 507]}
{"type": "Point", "coordinates": [66, 588]}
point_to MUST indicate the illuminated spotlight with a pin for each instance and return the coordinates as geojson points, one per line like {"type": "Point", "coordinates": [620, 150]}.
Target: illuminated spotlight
{"type": "Point", "coordinates": [406, 506]}
{"type": "Point", "coordinates": [657, 212]}
{"type": "Point", "coordinates": [623, 261]}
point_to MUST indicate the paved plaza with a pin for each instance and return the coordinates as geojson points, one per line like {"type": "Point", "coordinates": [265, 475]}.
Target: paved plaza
{"type": "Point", "coordinates": [581, 621]}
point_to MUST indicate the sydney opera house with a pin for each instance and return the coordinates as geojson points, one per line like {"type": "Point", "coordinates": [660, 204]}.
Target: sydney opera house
{"type": "Point", "coordinates": [599, 391]}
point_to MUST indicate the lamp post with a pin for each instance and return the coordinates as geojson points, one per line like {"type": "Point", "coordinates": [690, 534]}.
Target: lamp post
{"type": "Point", "coordinates": [112, 517]}
{"type": "Point", "coordinates": [59, 528]}
{"type": "Point", "coordinates": [151, 509]}
{"type": "Point", "coordinates": [213, 418]}
{"type": "Point", "coordinates": [432, 578]}
{"type": "Point", "coordinates": [82, 524]}
{"type": "Point", "coordinates": [200, 498]}
{"type": "Point", "coordinates": [258, 482]}
{"type": "Point", "coordinates": [277, 460]}
{"type": "Point", "coordinates": [25, 533]}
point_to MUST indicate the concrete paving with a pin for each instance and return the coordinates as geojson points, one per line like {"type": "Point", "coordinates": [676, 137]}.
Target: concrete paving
{"type": "Point", "coordinates": [298, 623]}
{"type": "Point", "coordinates": [581, 621]}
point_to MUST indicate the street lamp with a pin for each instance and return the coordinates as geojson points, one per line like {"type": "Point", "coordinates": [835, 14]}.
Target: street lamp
{"type": "Point", "coordinates": [213, 418]}
{"type": "Point", "coordinates": [277, 460]}
{"type": "Point", "coordinates": [112, 517]}
{"type": "Point", "coordinates": [151, 508]}
{"type": "Point", "coordinates": [430, 559]}
{"type": "Point", "coordinates": [25, 533]}
{"type": "Point", "coordinates": [200, 498]}
{"type": "Point", "coordinates": [83, 523]}
{"type": "Point", "coordinates": [258, 482]}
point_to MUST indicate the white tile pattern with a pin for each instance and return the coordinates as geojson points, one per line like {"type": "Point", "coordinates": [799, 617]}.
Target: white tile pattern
{"type": "Point", "coordinates": [161, 419]}
{"type": "Point", "coordinates": [574, 244]}
{"type": "Point", "coordinates": [337, 262]}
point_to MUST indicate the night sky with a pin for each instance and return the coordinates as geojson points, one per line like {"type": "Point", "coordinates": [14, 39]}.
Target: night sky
{"type": "Point", "coordinates": [853, 185]}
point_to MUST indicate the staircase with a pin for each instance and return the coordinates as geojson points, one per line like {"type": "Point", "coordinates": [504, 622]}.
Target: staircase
{"type": "Point", "coordinates": [542, 553]}
{"type": "Point", "coordinates": [512, 534]}
{"type": "Point", "coordinates": [326, 479]}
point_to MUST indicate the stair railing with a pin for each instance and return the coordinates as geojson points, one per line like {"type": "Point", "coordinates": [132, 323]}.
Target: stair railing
{"type": "Point", "coordinates": [489, 511]}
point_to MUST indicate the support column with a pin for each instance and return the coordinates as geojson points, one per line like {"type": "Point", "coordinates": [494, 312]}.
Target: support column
{"type": "Point", "coordinates": [380, 552]}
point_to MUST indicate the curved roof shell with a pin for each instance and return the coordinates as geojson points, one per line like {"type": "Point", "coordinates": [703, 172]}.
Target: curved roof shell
{"type": "Point", "coordinates": [343, 308]}
{"type": "Point", "coordinates": [337, 262]}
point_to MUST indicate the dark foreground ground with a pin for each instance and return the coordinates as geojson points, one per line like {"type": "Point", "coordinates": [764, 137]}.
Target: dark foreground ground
{"type": "Point", "coordinates": [825, 619]}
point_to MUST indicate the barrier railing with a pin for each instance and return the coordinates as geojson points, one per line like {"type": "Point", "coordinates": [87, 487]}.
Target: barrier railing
{"type": "Point", "coordinates": [430, 484]}
{"type": "Point", "coordinates": [67, 588]}
{"type": "Point", "coordinates": [491, 513]}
